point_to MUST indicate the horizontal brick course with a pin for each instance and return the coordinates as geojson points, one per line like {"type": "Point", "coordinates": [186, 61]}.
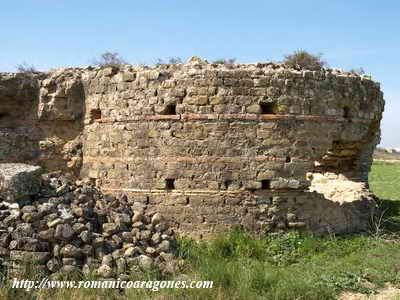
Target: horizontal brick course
{"type": "Point", "coordinates": [260, 145]}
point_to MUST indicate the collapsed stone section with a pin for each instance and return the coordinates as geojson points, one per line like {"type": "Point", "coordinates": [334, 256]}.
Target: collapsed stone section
{"type": "Point", "coordinates": [42, 119]}
{"type": "Point", "coordinates": [211, 147]}
{"type": "Point", "coordinates": [65, 227]}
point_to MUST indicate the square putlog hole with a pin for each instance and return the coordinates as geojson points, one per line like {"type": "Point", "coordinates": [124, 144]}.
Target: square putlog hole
{"type": "Point", "coordinates": [169, 184]}
{"type": "Point", "coordinates": [3, 115]}
{"type": "Point", "coordinates": [265, 184]}
{"type": "Point", "coordinates": [268, 108]}
{"type": "Point", "coordinates": [95, 114]}
{"type": "Point", "coordinates": [346, 112]}
{"type": "Point", "coordinates": [170, 109]}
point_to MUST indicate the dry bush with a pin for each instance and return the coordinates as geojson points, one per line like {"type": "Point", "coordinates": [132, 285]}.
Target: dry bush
{"type": "Point", "coordinates": [109, 59]}
{"type": "Point", "coordinates": [359, 71]}
{"type": "Point", "coordinates": [301, 59]}
{"type": "Point", "coordinates": [26, 68]}
{"type": "Point", "coordinates": [170, 61]}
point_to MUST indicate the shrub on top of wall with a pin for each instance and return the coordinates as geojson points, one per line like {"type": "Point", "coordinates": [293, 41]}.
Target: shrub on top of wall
{"type": "Point", "coordinates": [301, 59]}
{"type": "Point", "coordinates": [109, 59]}
{"type": "Point", "coordinates": [170, 61]}
{"type": "Point", "coordinates": [25, 68]}
{"type": "Point", "coordinates": [359, 71]}
{"type": "Point", "coordinates": [225, 61]}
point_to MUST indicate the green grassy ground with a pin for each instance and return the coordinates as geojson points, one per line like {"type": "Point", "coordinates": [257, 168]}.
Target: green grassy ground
{"type": "Point", "coordinates": [292, 266]}
{"type": "Point", "coordinates": [384, 180]}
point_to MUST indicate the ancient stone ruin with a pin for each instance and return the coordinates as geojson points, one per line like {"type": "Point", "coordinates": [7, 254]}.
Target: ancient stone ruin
{"type": "Point", "coordinates": [210, 146]}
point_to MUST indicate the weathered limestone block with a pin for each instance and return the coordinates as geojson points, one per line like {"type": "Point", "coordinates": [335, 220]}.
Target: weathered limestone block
{"type": "Point", "coordinates": [19, 180]}
{"type": "Point", "coordinates": [253, 109]}
{"type": "Point", "coordinates": [61, 97]}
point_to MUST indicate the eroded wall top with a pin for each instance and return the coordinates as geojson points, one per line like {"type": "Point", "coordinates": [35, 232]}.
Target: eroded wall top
{"type": "Point", "coordinates": [250, 137]}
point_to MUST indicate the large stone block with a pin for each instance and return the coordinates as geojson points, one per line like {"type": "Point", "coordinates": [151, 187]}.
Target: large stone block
{"type": "Point", "coordinates": [19, 180]}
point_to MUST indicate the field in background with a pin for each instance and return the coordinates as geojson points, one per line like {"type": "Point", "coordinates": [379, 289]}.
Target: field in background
{"type": "Point", "coordinates": [383, 154]}
{"type": "Point", "coordinates": [291, 266]}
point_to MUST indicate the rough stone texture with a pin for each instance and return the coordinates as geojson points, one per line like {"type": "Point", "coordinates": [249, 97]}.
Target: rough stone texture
{"type": "Point", "coordinates": [258, 145]}
{"type": "Point", "coordinates": [70, 228]}
{"type": "Point", "coordinates": [18, 181]}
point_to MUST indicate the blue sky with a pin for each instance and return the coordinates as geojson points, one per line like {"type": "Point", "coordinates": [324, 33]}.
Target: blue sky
{"type": "Point", "coordinates": [352, 33]}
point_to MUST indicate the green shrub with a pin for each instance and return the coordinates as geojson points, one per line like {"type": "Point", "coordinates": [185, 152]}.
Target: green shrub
{"type": "Point", "coordinates": [301, 59]}
{"type": "Point", "coordinates": [225, 61]}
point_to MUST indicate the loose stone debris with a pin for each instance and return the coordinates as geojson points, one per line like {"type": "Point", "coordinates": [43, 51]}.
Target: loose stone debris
{"type": "Point", "coordinates": [67, 226]}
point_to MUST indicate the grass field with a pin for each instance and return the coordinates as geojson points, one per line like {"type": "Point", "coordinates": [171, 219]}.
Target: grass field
{"type": "Point", "coordinates": [384, 180]}
{"type": "Point", "coordinates": [292, 266]}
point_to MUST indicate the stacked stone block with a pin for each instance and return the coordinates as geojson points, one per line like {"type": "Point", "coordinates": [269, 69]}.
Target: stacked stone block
{"type": "Point", "coordinates": [214, 147]}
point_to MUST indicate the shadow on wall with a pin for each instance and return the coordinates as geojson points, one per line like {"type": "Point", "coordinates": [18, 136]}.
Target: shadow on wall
{"type": "Point", "coordinates": [310, 211]}
{"type": "Point", "coordinates": [327, 216]}
{"type": "Point", "coordinates": [41, 120]}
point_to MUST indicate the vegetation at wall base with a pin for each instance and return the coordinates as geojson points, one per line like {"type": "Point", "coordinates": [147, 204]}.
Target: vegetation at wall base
{"type": "Point", "coordinates": [291, 266]}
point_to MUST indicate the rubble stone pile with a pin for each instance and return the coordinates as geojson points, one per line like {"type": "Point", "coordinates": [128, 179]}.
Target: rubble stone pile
{"type": "Point", "coordinates": [68, 226]}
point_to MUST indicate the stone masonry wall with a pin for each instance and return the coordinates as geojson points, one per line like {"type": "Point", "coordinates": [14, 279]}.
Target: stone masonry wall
{"type": "Point", "coordinates": [211, 146]}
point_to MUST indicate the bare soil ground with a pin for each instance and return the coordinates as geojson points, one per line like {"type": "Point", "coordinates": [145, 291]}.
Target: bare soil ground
{"type": "Point", "coordinates": [388, 293]}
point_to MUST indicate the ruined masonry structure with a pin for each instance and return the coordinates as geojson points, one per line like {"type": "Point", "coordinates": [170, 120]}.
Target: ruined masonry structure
{"type": "Point", "coordinates": [210, 146]}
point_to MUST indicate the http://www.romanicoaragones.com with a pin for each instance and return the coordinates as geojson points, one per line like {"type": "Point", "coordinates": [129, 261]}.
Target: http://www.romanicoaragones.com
{"type": "Point", "coordinates": [153, 285]}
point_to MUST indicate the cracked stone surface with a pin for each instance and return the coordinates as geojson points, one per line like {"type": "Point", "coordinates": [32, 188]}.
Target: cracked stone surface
{"type": "Point", "coordinates": [18, 181]}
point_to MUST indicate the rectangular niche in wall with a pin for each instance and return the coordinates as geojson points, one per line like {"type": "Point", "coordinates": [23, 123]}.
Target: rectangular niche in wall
{"type": "Point", "coordinates": [268, 108]}
{"type": "Point", "coordinates": [169, 184]}
{"type": "Point", "coordinates": [265, 184]}
{"type": "Point", "coordinates": [170, 109]}
{"type": "Point", "coordinates": [95, 114]}
{"type": "Point", "coordinates": [346, 112]}
{"type": "Point", "coordinates": [3, 115]}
